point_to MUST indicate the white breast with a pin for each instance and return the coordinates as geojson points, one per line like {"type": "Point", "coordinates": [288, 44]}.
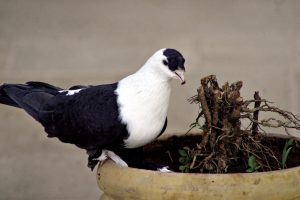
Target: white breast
{"type": "Point", "coordinates": [143, 105]}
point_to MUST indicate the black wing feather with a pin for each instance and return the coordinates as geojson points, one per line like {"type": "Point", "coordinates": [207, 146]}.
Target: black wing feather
{"type": "Point", "coordinates": [88, 119]}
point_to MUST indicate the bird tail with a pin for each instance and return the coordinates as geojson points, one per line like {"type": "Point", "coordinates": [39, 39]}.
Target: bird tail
{"type": "Point", "coordinates": [30, 96]}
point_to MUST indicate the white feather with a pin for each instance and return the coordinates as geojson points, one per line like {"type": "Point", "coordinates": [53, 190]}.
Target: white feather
{"type": "Point", "coordinates": [70, 92]}
{"type": "Point", "coordinates": [164, 170]}
{"type": "Point", "coordinates": [143, 100]}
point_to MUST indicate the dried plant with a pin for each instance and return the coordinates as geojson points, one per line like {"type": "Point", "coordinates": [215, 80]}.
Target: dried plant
{"type": "Point", "coordinates": [224, 139]}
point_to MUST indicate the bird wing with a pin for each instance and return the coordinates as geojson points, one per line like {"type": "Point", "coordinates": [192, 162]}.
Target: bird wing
{"type": "Point", "coordinates": [88, 119]}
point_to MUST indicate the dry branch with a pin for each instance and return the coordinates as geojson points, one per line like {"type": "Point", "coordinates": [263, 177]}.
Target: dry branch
{"type": "Point", "coordinates": [223, 138]}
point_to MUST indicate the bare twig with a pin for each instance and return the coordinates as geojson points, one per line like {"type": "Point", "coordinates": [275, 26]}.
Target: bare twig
{"type": "Point", "coordinates": [255, 114]}
{"type": "Point", "coordinates": [223, 108]}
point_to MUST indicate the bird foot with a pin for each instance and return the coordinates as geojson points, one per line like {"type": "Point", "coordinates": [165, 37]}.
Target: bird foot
{"type": "Point", "coordinates": [109, 154]}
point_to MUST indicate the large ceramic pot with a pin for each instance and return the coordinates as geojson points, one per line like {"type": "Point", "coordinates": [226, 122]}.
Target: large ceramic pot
{"type": "Point", "coordinates": [128, 183]}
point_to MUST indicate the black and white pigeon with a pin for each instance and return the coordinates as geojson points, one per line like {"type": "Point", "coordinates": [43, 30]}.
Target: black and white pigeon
{"type": "Point", "coordinates": [105, 120]}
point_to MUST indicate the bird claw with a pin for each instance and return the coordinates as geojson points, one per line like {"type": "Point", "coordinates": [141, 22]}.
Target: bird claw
{"type": "Point", "coordinates": [105, 155]}
{"type": "Point", "coordinates": [114, 157]}
{"type": "Point", "coordinates": [92, 163]}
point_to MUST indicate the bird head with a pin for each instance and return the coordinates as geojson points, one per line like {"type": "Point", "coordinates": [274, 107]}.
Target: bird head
{"type": "Point", "coordinates": [170, 63]}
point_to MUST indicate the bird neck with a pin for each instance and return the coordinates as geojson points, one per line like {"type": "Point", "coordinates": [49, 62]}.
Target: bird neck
{"type": "Point", "coordinates": [152, 73]}
{"type": "Point", "coordinates": [147, 84]}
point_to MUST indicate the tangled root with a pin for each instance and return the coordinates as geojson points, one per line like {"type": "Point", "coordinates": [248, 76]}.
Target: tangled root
{"type": "Point", "coordinates": [224, 140]}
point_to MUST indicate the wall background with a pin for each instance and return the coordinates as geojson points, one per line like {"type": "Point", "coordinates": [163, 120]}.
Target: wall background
{"type": "Point", "coordinates": [66, 42]}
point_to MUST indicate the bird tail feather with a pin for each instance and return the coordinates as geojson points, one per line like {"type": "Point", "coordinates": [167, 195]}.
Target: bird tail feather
{"type": "Point", "coordinates": [4, 99]}
{"type": "Point", "coordinates": [30, 96]}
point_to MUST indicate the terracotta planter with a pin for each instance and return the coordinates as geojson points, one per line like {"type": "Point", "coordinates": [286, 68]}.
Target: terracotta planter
{"type": "Point", "coordinates": [128, 183]}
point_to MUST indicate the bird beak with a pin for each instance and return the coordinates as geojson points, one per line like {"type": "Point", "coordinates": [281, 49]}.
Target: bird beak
{"type": "Point", "coordinates": [180, 75]}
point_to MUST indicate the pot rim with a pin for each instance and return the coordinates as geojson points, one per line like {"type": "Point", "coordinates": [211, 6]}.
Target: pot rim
{"type": "Point", "coordinates": [111, 164]}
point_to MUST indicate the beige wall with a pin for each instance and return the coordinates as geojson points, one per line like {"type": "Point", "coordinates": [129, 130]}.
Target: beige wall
{"type": "Point", "coordinates": [66, 42]}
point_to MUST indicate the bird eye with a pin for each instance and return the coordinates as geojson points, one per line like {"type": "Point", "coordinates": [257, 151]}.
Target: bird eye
{"type": "Point", "coordinates": [165, 62]}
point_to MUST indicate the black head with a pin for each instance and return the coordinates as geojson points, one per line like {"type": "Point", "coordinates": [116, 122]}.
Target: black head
{"type": "Point", "coordinates": [174, 61]}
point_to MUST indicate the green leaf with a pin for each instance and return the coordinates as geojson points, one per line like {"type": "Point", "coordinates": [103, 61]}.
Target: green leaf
{"type": "Point", "coordinates": [182, 160]}
{"type": "Point", "coordinates": [252, 162]}
{"type": "Point", "coordinates": [285, 156]}
{"type": "Point", "coordinates": [289, 142]}
{"type": "Point", "coordinates": [286, 151]}
{"type": "Point", "coordinates": [182, 168]}
{"type": "Point", "coordinates": [182, 153]}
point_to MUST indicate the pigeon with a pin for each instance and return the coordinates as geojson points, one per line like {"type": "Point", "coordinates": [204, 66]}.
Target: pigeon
{"type": "Point", "coordinates": [105, 120]}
